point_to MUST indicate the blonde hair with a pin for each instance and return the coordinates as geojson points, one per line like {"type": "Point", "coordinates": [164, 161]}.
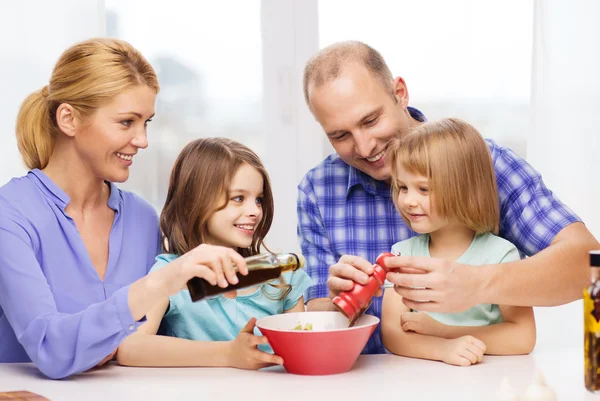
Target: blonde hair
{"type": "Point", "coordinates": [456, 160]}
{"type": "Point", "coordinates": [328, 64]}
{"type": "Point", "coordinates": [87, 76]}
{"type": "Point", "coordinates": [199, 187]}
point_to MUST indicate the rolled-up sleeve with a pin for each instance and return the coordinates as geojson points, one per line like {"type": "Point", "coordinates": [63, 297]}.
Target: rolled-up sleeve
{"type": "Point", "coordinates": [60, 344]}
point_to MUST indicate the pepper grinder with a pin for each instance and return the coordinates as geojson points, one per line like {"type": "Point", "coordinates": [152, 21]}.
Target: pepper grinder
{"type": "Point", "coordinates": [355, 302]}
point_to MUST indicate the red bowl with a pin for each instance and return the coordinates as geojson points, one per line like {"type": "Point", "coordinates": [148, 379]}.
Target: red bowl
{"type": "Point", "coordinates": [330, 347]}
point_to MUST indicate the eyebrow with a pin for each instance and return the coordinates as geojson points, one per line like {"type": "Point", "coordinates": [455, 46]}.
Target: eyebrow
{"type": "Point", "coordinates": [138, 115]}
{"type": "Point", "coordinates": [243, 191]}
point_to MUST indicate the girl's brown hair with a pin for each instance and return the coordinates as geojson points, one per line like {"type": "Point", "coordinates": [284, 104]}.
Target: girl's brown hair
{"type": "Point", "coordinates": [87, 76]}
{"type": "Point", "coordinates": [199, 187]}
{"type": "Point", "coordinates": [456, 160]}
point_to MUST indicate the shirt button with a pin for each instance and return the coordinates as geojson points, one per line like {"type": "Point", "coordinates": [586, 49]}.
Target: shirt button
{"type": "Point", "coordinates": [131, 327]}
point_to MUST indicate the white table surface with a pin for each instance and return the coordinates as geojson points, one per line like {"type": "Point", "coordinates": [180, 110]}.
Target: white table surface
{"type": "Point", "coordinates": [374, 377]}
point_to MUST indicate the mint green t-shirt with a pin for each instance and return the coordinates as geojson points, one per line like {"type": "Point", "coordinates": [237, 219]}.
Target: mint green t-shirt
{"type": "Point", "coordinates": [221, 318]}
{"type": "Point", "coordinates": [484, 250]}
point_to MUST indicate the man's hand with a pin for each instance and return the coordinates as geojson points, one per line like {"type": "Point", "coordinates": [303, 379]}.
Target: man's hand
{"type": "Point", "coordinates": [347, 271]}
{"type": "Point", "coordinates": [441, 286]}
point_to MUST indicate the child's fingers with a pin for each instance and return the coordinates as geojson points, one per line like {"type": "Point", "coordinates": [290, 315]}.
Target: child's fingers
{"type": "Point", "coordinates": [480, 344]}
{"type": "Point", "coordinates": [258, 340]}
{"type": "Point", "coordinates": [468, 355]}
{"type": "Point", "coordinates": [407, 326]}
{"type": "Point", "coordinates": [266, 358]}
{"type": "Point", "coordinates": [462, 361]}
{"type": "Point", "coordinates": [409, 317]}
{"type": "Point", "coordinates": [475, 350]}
{"type": "Point", "coordinates": [249, 327]}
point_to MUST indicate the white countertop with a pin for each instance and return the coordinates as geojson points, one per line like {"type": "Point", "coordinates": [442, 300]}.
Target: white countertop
{"type": "Point", "coordinates": [374, 377]}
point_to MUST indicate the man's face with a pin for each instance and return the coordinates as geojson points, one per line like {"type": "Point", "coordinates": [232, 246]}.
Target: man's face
{"type": "Point", "coordinates": [360, 117]}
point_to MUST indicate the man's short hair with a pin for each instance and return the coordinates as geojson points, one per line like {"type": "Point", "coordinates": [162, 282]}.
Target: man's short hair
{"type": "Point", "coordinates": [328, 64]}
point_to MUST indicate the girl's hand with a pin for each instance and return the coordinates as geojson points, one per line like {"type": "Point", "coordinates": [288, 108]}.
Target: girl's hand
{"type": "Point", "coordinates": [210, 262]}
{"type": "Point", "coordinates": [244, 353]}
{"type": "Point", "coordinates": [422, 323]}
{"type": "Point", "coordinates": [463, 351]}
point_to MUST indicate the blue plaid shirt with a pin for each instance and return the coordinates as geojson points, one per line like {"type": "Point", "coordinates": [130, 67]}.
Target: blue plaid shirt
{"type": "Point", "coordinates": [343, 211]}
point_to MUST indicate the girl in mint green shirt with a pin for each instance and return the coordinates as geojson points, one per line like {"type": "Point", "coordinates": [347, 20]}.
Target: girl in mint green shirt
{"type": "Point", "coordinates": [444, 186]}
{"type": "Point", "coordinates": [219, 194]}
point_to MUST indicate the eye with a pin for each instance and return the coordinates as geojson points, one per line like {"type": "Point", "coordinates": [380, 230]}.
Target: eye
{"type": "Point", "coordinates": [238, 199]}
{"type": "Point", "coordinates": [340, 137]}
{"type": "Point", "coordinates": [371, 122]}
{"type": "Point", "coordinates": [402, 188]}
{"type": "Point", "coordinates": [146, 122]}
{"type": "Point", "coordinates": [126, 123]}
{"type": "Point", "coordinates": [424, 190]}
{"type": "Point", "coordinates": [259, 201]}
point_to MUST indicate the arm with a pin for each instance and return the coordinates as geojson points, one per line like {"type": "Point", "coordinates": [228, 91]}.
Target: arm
{"type": "Point", "coordinates": [299, 307]}
{"type": "Point", "coordinates": [553, 276]}
{"type": "Point", "coordinates": [463, 351]}
{"type": "Point", "coordinates": [515, 336]}
{"type": "Point", "coordinates": [145, 348]}
{"type": "Point", "coordinates": [61, 344]}
{"type": "Point", "coordinates": [541, 226]}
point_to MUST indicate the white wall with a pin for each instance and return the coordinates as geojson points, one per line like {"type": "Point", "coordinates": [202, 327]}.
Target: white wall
{"type": "Point", "coordinates": [33, 34]}
{"type": "Point", "coordinates": [563, 143]}
{"type": "Point", "coordinates": [294, 141]}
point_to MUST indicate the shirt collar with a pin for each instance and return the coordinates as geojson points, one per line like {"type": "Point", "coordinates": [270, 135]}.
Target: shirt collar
{"type": "Point", "coordinates": [61, 199]}
{"type": "Point", "coordinates": [371, 185]}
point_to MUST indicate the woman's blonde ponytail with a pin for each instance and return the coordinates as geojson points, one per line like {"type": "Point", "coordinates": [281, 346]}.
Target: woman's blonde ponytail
{"type": "Point", "coordinates": [35, 136]}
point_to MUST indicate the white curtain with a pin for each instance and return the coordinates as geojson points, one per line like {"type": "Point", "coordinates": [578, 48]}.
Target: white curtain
{"type": "Point", "coordinates": [563, 141]}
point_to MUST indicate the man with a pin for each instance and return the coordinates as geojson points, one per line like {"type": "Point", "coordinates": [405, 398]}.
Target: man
{"type": "Point", "coordinates": [346, 216]}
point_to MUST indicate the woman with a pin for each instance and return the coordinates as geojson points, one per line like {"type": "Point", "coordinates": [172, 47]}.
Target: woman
{"type": "Point", "coordinates": [75, 249]}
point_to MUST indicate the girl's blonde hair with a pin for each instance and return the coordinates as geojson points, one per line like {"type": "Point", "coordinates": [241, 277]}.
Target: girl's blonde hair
{"type": "Point", "coordinates": [199, 187]}
{"type": "Point", "coordinates": [87, 76]}
{"type": "Point", "coordinates": [456, 160]}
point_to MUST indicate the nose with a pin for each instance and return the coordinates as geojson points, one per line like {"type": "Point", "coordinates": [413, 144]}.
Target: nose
{"type": "Point", "coordinates": [140, 140]}
{"type": "Point", "coordinates": [409, 200]}
{"type": "Point", "coordinates": [364, 145]}
{"type": "Point", "coordinates": [253, 210]}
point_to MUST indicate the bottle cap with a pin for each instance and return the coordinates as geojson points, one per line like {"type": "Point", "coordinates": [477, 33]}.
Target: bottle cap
{"type": "Point", "coordinates": [595, 258]}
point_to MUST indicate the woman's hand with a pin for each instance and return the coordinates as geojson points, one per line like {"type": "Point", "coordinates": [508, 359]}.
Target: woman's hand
{"type": "Point", "coordinates": [212, 263]}
{"type": "Point", "coordinates": [244, 353]}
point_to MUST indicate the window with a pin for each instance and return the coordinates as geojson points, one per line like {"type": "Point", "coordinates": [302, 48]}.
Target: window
{"type": "Point", "coordinates": [209, 64]}
{"type": "Point", "coordinates": [463, 58]}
